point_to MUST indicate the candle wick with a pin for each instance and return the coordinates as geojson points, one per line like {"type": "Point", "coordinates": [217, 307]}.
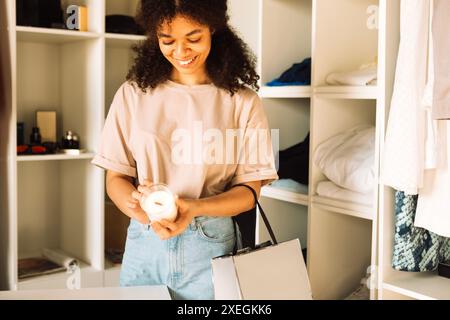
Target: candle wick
{"type": "Point", "coordinates": [158, 203]}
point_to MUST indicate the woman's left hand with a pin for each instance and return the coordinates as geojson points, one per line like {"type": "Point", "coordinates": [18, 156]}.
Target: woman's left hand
{"type": "Point", "coordinates": [186, 212]}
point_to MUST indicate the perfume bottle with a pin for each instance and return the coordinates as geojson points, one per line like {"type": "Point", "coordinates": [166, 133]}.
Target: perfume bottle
{"type": "Point", "coordinates": [159, 203]}
{"type": "Point", "coordinates": [70, 141]}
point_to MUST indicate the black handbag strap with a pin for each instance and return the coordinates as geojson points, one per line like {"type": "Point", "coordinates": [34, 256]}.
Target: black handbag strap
{"type": "Point", "coordinates": [261, 211]}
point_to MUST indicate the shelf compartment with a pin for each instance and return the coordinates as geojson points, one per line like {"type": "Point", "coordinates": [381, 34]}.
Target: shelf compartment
{"type": "Point", "coordinates": [288, 221]}
{"type": "Point", "coordinates": [418, 285]}
{"type": "Point", "coordinates": [59, 207]}
{"type": "Point", "coordinates": [346, 92]}
{"type": "Point", "coordinates": [53, 36]}
{"type": "Point", "coordinates": [291, 117]}
{"type": "Point", "coordinates": [284, 195]}
{"type": "Point", "coordinates": [339, 252]}
{"type": "Point", "coordinates": [344, 207]}
{"type": "Point", "coordinates": [285, 92]}
{"type": "Point", "coordinates": [338, 26]}
{"type": "Point", "coordinates": [277, 17]}
{"type": "Point", "coordinates": [56, 157]}
{"type": "Point", "coordinates": [65, 77]}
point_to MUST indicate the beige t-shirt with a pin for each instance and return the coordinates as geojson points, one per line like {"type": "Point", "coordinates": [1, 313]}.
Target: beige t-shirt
{"type": "Point", "coordinates": [180, 135]}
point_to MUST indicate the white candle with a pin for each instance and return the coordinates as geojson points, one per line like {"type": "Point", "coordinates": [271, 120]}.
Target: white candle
{"type": "Point", "coordinates": [159, 204]}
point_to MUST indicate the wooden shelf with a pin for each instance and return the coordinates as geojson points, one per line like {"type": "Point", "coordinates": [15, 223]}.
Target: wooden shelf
{"type": "Point", "coordinates": [122, 40]}
{"type": "Point", "coordinates": [284, 195]}
{"type": "Point", "coordinates": [346, 92]}
{"type": "Point", "coordinates": [285, 92]}
{"type": "Point", "coordinates": [56, 157]}
{"type": "Point", "coordinates": [418, 285]}
{"type": "Point", "coordinates": [343, 207]}
{"type": "Point", "coordinates": [55, 36]}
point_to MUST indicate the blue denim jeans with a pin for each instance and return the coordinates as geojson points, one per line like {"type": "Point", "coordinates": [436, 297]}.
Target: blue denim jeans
{"type": "Point", "coordinates": [182, 263]}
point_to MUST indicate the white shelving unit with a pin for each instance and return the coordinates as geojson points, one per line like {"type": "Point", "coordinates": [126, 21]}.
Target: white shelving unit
{"type": "Point", "coordinates": [340, 236]}
{"type": "Point", "coordinates": [59, 203]}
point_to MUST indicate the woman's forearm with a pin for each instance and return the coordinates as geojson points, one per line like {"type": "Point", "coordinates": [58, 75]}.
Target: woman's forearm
{"type": "Point", "coordinates": [230, 203]}
{"type": "Point", "coordinates": [119, 189]}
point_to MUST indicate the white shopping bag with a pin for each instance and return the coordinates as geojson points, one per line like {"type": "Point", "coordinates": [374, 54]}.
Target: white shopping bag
{"type": "Point", "coordinates": [276, 272]}
{"type": "Point", "coordinates": [269, 272]}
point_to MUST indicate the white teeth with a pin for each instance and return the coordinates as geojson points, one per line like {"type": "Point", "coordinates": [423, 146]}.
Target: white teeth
{"type": "Point", "coordinates": [185, 63]}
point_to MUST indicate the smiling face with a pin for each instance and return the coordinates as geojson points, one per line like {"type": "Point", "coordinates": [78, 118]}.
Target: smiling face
{"type": "Point", "coordinates": [186, 44]}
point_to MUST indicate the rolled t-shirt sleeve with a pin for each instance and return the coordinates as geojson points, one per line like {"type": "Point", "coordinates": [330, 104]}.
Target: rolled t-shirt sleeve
{"type": "Point", "coordinates": [256, 156]}
{"type": "Point", "coordinates": [114, 152]}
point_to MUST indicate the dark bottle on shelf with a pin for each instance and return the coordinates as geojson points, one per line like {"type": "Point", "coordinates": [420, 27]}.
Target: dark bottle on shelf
{"type": "Point", "coordinates": [35, 137]}
{"type": "Point", "coordinates": [20, 134]}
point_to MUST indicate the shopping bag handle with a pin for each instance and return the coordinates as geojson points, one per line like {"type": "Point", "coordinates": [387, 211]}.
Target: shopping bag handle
{"type": "Point", "coordinates": [261, 211]}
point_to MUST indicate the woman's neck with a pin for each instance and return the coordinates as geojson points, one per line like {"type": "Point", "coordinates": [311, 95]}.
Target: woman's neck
{"type": "Point", "coordinates": [190, 79]}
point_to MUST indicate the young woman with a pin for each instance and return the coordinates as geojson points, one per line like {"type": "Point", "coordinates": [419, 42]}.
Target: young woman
{"type": "Point", "coordinates": [193, 73]}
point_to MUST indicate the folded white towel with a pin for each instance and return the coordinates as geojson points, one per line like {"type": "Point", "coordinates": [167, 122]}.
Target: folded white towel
{"type": "Point", "coordinates": [365, 75]}
{"type": "Point", "coordinates": [330, 190]}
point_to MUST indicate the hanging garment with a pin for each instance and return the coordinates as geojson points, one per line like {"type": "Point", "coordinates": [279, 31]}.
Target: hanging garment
{"type": "Point", "coordinates": [432, 213]}
{"type": "Point", "coordinates": [403, 159]}
{"type": "Point", "coordinates": [434, 202]}
{"type": "Point", "coordinates": [431, 140]}
{"type": "Point", "coordinates": [415, 249]}
{"type": "Point", "coordinates": [441, 42]}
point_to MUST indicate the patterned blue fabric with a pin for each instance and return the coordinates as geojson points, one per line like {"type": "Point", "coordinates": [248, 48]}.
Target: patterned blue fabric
{"type": "Point", "coordinates": [415, 249]}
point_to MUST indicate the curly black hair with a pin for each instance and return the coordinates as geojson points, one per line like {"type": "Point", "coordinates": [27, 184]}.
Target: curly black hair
{"type": "Point", "coordinates": [230, 65]}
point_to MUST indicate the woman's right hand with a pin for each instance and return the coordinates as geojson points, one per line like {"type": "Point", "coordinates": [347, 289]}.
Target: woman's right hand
{"type": "Point", "coordinates": [134, 203]}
